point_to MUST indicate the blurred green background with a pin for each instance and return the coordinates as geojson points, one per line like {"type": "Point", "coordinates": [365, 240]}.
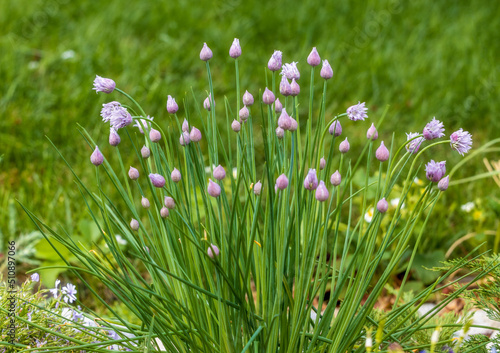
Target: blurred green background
{"type": "Point", "coordinates": [422, 58]}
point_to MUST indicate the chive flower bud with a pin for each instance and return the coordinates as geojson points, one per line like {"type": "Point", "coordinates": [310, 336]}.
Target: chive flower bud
{"type": "Point", "coordinates": [313, 59]}
{"type": "Point", "coordinates": [244, 113]}
{"type": "Point", "coordinates": [322, 163]}
{"type": "Point", "coordinates": [213, 251]}
{"type": "Point", "coordinates": [235, 50]}
{"type": "Point", "coordinates": [326, 70]}
{"type": "Point", "coordinates": [185, 126]}
{"type": "Point", "coordinates": [172, 106]}
{"type": "Point", "coordinates": [336, 178]}
{"type": "Point", "coordinates": [145, 152]}
{"type": "Point", "coordinates": [219, 172]}
{"type": "Point", "coordinates": [236, 126]}
{"type": "Point", "coordinates": [157, 180]}
{"type": "Point", "coordinates": [257, 188]}
{"type": "Point", "coordinates": [382, 205]}
{"type": "Point", "coordinates": [322, 193]}
{"type": "Point", "coordinates": [114, 138]}
{"type": "Point", "coordinates": [133, 173]}
{"type": "Point", "coordinates": [382, 153]}
{"type": "Point", "coordinates": [293, 124]}
{"type": "Point", "coordinates": [278, 107]}
{"type": "Point", "coordinates": [268, 96]}
{"type": "Point", "coordinates": [282, 182]}
{"type": "Point", "coordinates": [213, 189]}
{"type": "Point", "coordinates": [169, 202]}
{"type": "Point", "coordinates": [205, 53]}
{"type": "Point", "coordinates": [145, 202]}
{"type": "Point", "coordinates": [184, 139]}
{"type": "Point", "coordinates": [154, 135]}
{"type": "Point", "coordinates": [195, 135]}
{"type": "Point", "coordinates": [275, 61]}
{"type": "Point", "coordinates": [372, 133]}
{"type": "Point", "coordinates": [433, 130]}
{"type": "Point", "coordinates": [443, 183]}
{"type": "Point", "coordinates": [102, 84]}
{"type": "Point", "coordinates": [285, 88]}
{"type": "Point", "coordinates": [295, 88]}
{"type": "Point", "coordinates": [134, 224]}
{"type": "Point", "coordinates": [434, 171]}
{"type": "Point", "coordinates": [280, 132]}
{"type": "Point", "coordinates": [311, 180]}
{"type": "Point", "coordinates": [207, 102]}
{"type": "Point", "coordinates": [96, 157]}
{"type": "Point", "coordinates": [164, 212]}
{"type": "Point", "coordinates": [247, 98]}
{"type": "Point", "coordinates": [284, 120]}
{"type": "Point", "coordinates": [344, 146]}
{"type": "Point", "coordinates": [335, 128]}
{"type": "Point", "coordinates": [175, 175]}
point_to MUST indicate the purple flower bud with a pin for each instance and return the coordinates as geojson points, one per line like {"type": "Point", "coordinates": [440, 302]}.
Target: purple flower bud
{"type": "Point", "coordinates": [244, 113]}
{"type": "Point", "coordinates": [285, 88]}
{"type": "Point", "coordinates": [443, 183]}
{"type": "Point", "coordinates": [322, 163]}
{"type": "Point", "coordinates": [213, 189]}
{"type": "Point", "coordinates": [236, 126]}
{"type": "Point", "coordinates": [133, 173]}
{"type": "Point", "coordinates": [114, 138]}
{"type": "Point", "coordinates": [154, 135]}
{"type": "Point", "coordinates": [205, 53]}
{"type": "Point", "coordinates": [96, 157]}
{"type": "Point", "coordinates": [157, 180]}
{"type": "Point", "coordinates": [195, 135]}
{"type": "Point", "coordinates": [282, 182]}
{"type": "Point", "coordinates": [247, 98]}
{"type": "Point", "coordinates": [35, 277]}
{"type": "Point", "coordinates": [274, 63]}
{"type": "Point", "coordinates": [184, 139]}
{"type": "Point", "coordinates": [145, 152]}
{"type": "Point", "coordinates": [164, 212]}
{"type": "Point", "coordinates": [290, 71]}
{"type": "Point", "coordinates": [382, 153]}
{"type": "Point", "coordinates": [382, 205]}
{"type": "Point", "coordinates": [322, 193]}
{"type": "Point", "coordinates": [219, 173]}
{"type": "Point", "coordinates": [336, 178]}
{"type": "Point", "coordinates": [335, 128]}
{"type": "Point", "coordinates": [293, 124]}
{"type": "Point", "coordinates": [415, 143]}
{"type": "Point", "coordinates": [207, 102]}
{"type": "Point", "coordinates": [185, 126]}
{"type": "Point", "coordinates": [134, 224]}
{"type": "Point", "coordinates": [434, 171]}
{"type": "Point", "coordinates": [257, 188]}
{"type": "Point", "coordinates": [280, 132]}
{"type": "Point", "coordinates": [278, 107]}
{"type": "Point", "coordinates": [311, 180]}
{"type": "Point", "coordinates": [102, 84]}
{"type": "Point", "coordinates": [357, 112]}
{"type": "Point", "coordinates": [326, 70]}
{"type": "Point", "coordinates": [235, 50]}
{"type": "Point", "coordinates": [169, 202]}
{"type": "Point", "coordinates": [313, 59]}
{"type": "Point", "coordinates": [213, 251]}
{"type": "Point", "coordinates": [284, 120]}
{"type": "Point", "coordinates": [433, 130]}
{"type": "Point", "coordinates": [295, 88]}
{"type": "Point", "coordinates": [175, 175]}
{"type": "Point", "coordinates": [268, 96]}
{"type": "Point", "coordinates": [145, 202]}
{"type": "Point", "coordinates": [172, 106]}
{"type": "Point", "coordinates": [344, 146]}
{"type": "Point", "coordinates": [461, 141]}
{"type": "Point", "coordinates": [372, 133]}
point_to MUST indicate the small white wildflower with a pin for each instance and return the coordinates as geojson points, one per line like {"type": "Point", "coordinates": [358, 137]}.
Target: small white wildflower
{"type": "Point", "coordinates": [469, 206]}
{"type": "Point", "coordinates": [369, 215]}
{"type": "Point", "coordinates": [120, 240]}
{"type": "Point", "coordinates": [235, 173]}
{"type": "Point", "coordinates": [68, 54]}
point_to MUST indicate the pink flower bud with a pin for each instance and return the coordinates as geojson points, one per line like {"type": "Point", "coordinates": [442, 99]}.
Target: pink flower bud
{"type": "Point", "coordinates": [184, 139]}
{"type": "Point", "coordinates": [344, 146]}
{"type": "Point", "coordinates": [326, 70]}
{"type": "Point", "coordinates": [285, 88]}
{"type": "Point", "coordinates": [322, 193]}
{"type": "Point", "coordinates": [133, 173]}
{"type": "Point", "coordinates": [235, 50]}
{"type": "Point", "coordinates": [195, 135]}
{"type": "Point", "coordinates": [282, 182]}
{"type": "Point", "coordinates": [443, 183]}
{"type": "Point", "coordinates": [335, 128]}
{"type": "Point", "coordinates": [154, 135]}
{"type": "Point", "coordinates": [213, 251]}
{"type": "Point", "coordinates": [205, 53]}
{"type": "Point", "coordinates": [322, 163]}
{"type": "Point", "coordinates": [102, 84]}
{"type": "Point", "coordinates": [134, 224]}
{"type": "Point", "coordinates": [372, 133]}
{"type": "Point", "coordinates": [172, 106]}
{"type": "Point", "coordinates": [157, 180]}
{"type": "Point", "coordinates": [185, 126]}
{"type": "Point", "coordinates": [219, 173]}
{"type": "Point", "coordinates": [284, 120]}
{"type": "Point", "coordinates": [275, 61]}
{"type": "Point", "coordinates": [382, 205]}
{"type": "Point", "coordinates": [280, 132]}
{"type": "Point", "coordinates": [278, 107]}
{"type": "Point", "coordinates": [169, 202]}
{"type": "Point", "coordinates": [336, 178]}
{"type": "Point", "coordinates": [293, 124]}
{"type": "Point", "coordinates": [145, 152]}
{"type": "Point", "coordinates": [311, 180]}
{"type": "Point", "coordinates": [175, 175]}
{"type": "Point", "coordinates": [236, 126]}
{"type": "Point", "coordinates": [295, 88]}
{"type": "Point", "coordinates": [382, 153]}
{"type": "Point", "coordinates": [114, 138]}
{"type": "Point", "coordinates": [145, 202]}
{"type": "Point", "coordinates": [96, 157]}
{"type": "Point", "coordinates": [247, 98]}
{"type": "Point", "coordinates": [313, 59]}
{"type": "Point", "coordinates": [244, 113]}
{"type": "Point", "coordinates": [164, 212]}
{"type": "Point", "coordinates": [257, 188]}
{"type": "Point", "coordinates": [268, 96]}
{"type": "Point", "coordinates": [213, 189]}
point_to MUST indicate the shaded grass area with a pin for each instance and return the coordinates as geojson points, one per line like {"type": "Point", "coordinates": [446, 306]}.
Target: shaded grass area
{"type": "Point", "coordinates": [424, 59]}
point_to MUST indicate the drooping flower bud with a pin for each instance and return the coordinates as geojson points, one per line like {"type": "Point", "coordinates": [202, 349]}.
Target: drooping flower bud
{"type": "Point", "coordinates": [326, 70]}
{"type": "Point", "coordinates": [268, 96]}
{"type": "Point", "coordinates": [195, 135]}
{"type": "Point", "coordinates": [284, 120]}
{"type": "Point", "coordinates": [235, 50]}
{"type": "Point", "coordinates": [145, 202]}
{"type": "Point", "coordinates": [175, 175]}
{"type": "Point", "coordinates": [184, 139]}
{"type": "Point", "coordinates": [219, 172]}
{"type": "Point", "coordinates": [275, 61]}
{"type": "Point", "coordinates": [313, 59]}
{"type": "Point", "coordinates": [336, 178]}
{"type": "Point", "coordinates": [282, 182]}
{"type": "Point", "coordinates": [96, 157]}
{"type": "Point", "coordinates": [247, 98]}
{"type": "Point", "coordinates": [236, 126]}
{"type": "Point", "coordinates": [172, 106]}
{"type": "Point", "coordinates": [154, 135]}
{"type": "Point", "coordinates": [213, 189]}
{"type": "Point", "coordinates": [280, 132]}
{"type": "Point", "coordinates": [207, 102]}
{"type": "Point", "coordinates": [295, 88]}
{"type": "Point", "coordinates": [244, 113]}
{"type": "Point", "coordinates": [102, 84]}
{"type": "Point", "coordinates": [213, 251]}
{"type": "Point", "coordinates": [372, 133]}
{"type": "Point", "coordinates": [133, 173]}
{"type": "Point", "coordinates": [114, 138]}
{"type": "Point", "coordinates": [257, 188]}
{"type": "Point", "coordinates": [185, 126]}
{"type": "Point", "coordinates": [322, 163]}
{"type": "Point", "coordinates": [164, 212]}
{"type": "Point", "coordinates": [293, 124]}
{"type": "Point", "coordinates": [311, 180]}
{"type": "Point", "coordinates": [443, 183]}
{"type": "Point", "coordinates": [205, 53]}
{"type": "Point", "coordinates": [335, 128]}
{"type": "Point", "coordinates": [145, 152]}
{"type": "Point", "coordinates": [169, 202]}
{"type": "Point", "coordinates": [134, 224]}
{"type": "Point", "coordinates": [157, 180]}
{"type": "Point", "coordinates": [344, 146]}
{"type": "Point", "coordinates": [382, 153]}
{"type": "Point", "coordinates": [278, 107]}
{"type": "Point", "coordinates": [322, 193]}
{"type": "Point", "coordinates": [285, 88]}
{"type": "Point", "coordinates": [382, 205]}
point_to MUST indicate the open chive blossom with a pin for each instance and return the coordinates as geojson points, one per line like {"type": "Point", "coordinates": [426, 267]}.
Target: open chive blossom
{"type": "Point", "coordinates": [274, 63]}
{"type": "Point", "coordinates": [433, 130]}
{"type": "Point", "coordinates": [326, 70]}
{"type": "Point", "coordinates": [335, 128]}
{"type": "Point", "coordinates": [143, 123]}
{"type": "Point", "coordinates": [235, 50]}
{"type": "Point", "coordinates": [172, 106]}
{"type": "Point", "coordinates": [205, 53]}
{"type": "Point", "coordinates": [414, 145]}
{"type": "Point", "coordinates": [102, 84]}
{"type": "Point", "coordinates": [434, 171]}
{"type": "Point", "coordinates": [314, 59]}
{"type": "Point", "coordinates": [322, 193]}
{"type": "Point", "coordinates": [290, 71]}
{"type": "Point", "coordinates": [461, 141]}
{"type": "Point", "coordinates": [116, 115]}
{"type": "Point", "coordinates": [311, 180]}
{"type": "Point", "coordinates": [357, 112]}
{"type": "Point", "coordinates": [96, 157]}
{"type": "Point", "coordinates": [157, 180]}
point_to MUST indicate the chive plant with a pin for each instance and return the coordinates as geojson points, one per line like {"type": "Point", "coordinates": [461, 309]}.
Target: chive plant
{"type": "Point", "coordinates": [257, 247]}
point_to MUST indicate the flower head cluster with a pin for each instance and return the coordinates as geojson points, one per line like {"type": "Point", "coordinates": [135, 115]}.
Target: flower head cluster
{"type": "Point", "coordinates": [414, 145]}
{"type": "Point", "coordinates": [357, 112]}
{"type": "Point", "coordinates": [117, 115]}
{"type": "Point", "coordinates": [290, 71]}
{"type": "Point", "coordinates": [434, 171]}
{"type": "Point", "coordinates": [461, 141]}
{"type": "Point", "coordinates": [433, 130]}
